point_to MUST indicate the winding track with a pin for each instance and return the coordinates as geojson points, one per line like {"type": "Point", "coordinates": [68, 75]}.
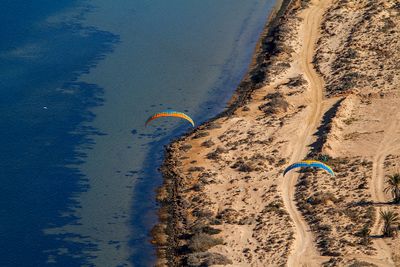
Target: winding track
{"type": "Point", "coordinates": [304, 252]}
{"type": "Point", "coordinates": [388, 144]}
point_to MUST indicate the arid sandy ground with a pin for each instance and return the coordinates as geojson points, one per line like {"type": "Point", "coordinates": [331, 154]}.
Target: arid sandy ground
{"type": "Point", "coordinates": [328, 89]}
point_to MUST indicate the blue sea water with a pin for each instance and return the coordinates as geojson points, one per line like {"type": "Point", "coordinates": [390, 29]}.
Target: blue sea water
{"type": "Point", "coordinates": [78, 78]}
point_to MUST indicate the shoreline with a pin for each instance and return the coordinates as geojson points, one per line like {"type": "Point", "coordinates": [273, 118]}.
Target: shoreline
{"type": "Point", "coordinates": [324, 86]}
{"type": "Point", "coordinates": [120, 161]}
{"type": "Point", "coordinates": [165, 231]}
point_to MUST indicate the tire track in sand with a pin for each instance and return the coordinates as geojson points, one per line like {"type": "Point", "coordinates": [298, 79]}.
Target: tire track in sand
{"type": "Point", "coordinates": [388, 144]}
{"type": "Point", "coordinates": [304, 252]}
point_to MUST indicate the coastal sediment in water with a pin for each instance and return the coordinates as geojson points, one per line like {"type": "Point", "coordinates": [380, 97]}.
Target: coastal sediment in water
{"type": "Point", "coordinates": [322, 85]}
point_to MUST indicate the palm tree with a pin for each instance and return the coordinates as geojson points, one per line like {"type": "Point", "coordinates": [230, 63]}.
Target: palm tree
{"type": "Point", "coordinates": [389, 218]}
{"type": "Point", "coordinates": [393, 186]}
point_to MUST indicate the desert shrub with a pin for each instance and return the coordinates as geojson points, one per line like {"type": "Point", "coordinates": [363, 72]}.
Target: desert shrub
{"type": "Point", "coordinates": [202, 213]}
{"type": "Point", "coordinates": [276, 104]}
{"type": "Point", "coordinates": [353, 214]}
{"type": "Point", "coordinates": [296, 81]}
{"type": "Point", "coordinates": [324, 197]}
{"type": "Point", "coordinates": [212, 125]}
{"type": "Point", "coordinates": [364, 234]}
{"type": "Point", "coordinates": [325, 228]}
{"type": "Point", "coordinates": [258, 76]}
{"type": "Point", "coordinates": [357, 263]}
{"type": "Point", "coordinates": [246, 108]}
{"type": "Point", "coordinates": [274, 206]}
{"type": "Point", "coordinates": [200, 135]}
{"type": "Point", "coordinates": [206, 259]}
{"type": "Point", "coordinates": [229, 215]}
{"type": "Point", "coordinates": [198, 187]}
{"type": "Point", "coordinates": [210, 230]}
{"type": "Point", "coordinates": [208, 143]}
{"type": "Point", "coordinates": [245, 168]}
{"type": "Point", "coordinates": [196, 169]}
{"type": "Point", "coordinates": [241, 166]}
{"type": "Point", "coordinates": [202, 242]}
{"type": "Point", "coordinates": [185, 147]}
{"type": "Point", "coordinates": [215, 154]}
{"type": "Point", "coordinates": [349, 121]}
{"type": "Point", "coordinates": [350, 53]}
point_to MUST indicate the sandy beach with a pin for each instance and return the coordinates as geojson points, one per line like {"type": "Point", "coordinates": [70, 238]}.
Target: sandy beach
{"type": "Point", "coordinates": [323, 85]}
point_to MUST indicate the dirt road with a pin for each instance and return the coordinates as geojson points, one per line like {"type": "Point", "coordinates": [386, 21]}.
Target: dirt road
{"type": "Point", "coordinates": [304, 252]}
{"type": "Point", "coordinates": [388, 144]}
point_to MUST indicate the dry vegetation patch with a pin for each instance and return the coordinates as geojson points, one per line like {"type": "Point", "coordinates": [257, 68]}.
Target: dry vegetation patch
{"type": "Point", "coordinates": [357, 51]}
{"type": "Point", "coordinates": [337, 208]}
{"type": "Point", "coordinates": [392, 166]}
